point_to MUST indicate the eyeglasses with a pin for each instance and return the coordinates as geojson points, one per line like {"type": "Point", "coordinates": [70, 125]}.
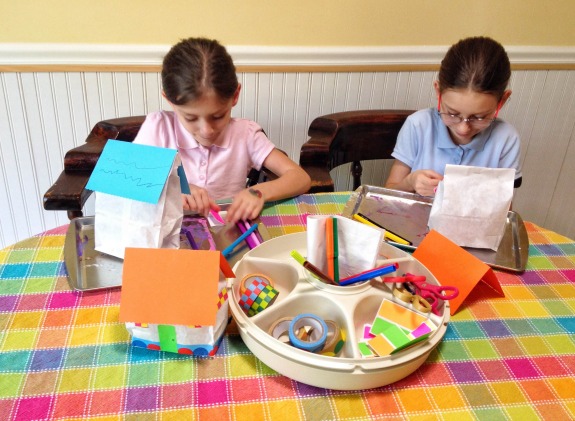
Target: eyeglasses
{"type": "Point", "coordinates": [475, 122]}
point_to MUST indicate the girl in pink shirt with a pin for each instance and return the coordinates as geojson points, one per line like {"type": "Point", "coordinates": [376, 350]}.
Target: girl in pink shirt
{"type": "Point", "coordinates": [199, 82]}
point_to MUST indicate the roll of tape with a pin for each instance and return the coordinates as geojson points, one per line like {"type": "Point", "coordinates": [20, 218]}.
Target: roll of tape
{"type": "Point", "coordinates": [402, 294]}
{"type": "Point", "coordinates": [251, 294]}
{"type": "Point", "coordinates": [254, 277]}
{"type": "Point", "coordinates": [280, 328]}
{"type": "Point", "coordinates": [335, 339]}
{"type": "Point", "coordinates": [264, 299]}
{"type": "Point", "coordinates": [317, 337]}
{"type": "Point", "coordinates": [419, 303]}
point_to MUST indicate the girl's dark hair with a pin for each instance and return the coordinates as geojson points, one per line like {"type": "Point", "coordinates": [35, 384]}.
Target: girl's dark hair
{"type": "Point", "coordinates": [478, 63]}
{"type": "Point", "coordinates": [195, 65]}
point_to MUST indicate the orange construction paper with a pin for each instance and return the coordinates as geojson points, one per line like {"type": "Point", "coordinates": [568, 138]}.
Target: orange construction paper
{"type": "Point", "coordinates": [380, 346]}
{"type": "Point", "coordinates": [171, 286]}
{"type": "Point", "coordinates": [400, 315]}
{"type": "Point", "coordinates": [452, 265]}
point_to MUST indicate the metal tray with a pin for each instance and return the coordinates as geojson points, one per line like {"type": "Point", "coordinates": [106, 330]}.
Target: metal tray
{"type": "Point", "coordinates": [89, 269]}
{"type": "Point", "coordinates": [406, 214]}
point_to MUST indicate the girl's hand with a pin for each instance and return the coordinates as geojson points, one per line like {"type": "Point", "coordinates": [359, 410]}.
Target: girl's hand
{"type": "Point", "coordinates": [199, 201]}
{"type": "Point", "coordinates": [424, 182]}
{"type": "Point", "coordinates": [247, 204]}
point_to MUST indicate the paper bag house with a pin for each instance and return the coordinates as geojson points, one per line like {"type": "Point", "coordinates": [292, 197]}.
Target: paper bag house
{"type": "Point", "coordinates": [138, 197]}
{"type": "Point", "coordinates": [175, 300]}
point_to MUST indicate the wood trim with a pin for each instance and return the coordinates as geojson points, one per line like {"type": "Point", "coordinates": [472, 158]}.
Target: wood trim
{"type": "Point", "coordinates": [47, 68]}
{"type": "Point", "coordinates": [257, 59]}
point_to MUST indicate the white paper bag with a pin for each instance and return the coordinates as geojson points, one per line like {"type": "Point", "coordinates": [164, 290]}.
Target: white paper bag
{"type": "Point", "coordinates": [121, 222]}
{"type": "Point", "coordinates": [358, 244]}
{"type": "Point", "coordinates": [471, 205]}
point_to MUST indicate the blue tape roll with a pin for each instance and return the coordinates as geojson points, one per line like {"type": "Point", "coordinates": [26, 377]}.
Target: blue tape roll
{"type": "Point", "coordinates": [317, 337]}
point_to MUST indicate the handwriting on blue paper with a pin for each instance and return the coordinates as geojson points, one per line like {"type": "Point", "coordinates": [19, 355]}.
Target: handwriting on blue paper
{"type": "Point", "coordinates": [133, 171]}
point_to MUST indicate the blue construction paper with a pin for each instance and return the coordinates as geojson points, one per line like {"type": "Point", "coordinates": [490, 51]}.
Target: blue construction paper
{"type": "Point", "coordinates": [133, 171]}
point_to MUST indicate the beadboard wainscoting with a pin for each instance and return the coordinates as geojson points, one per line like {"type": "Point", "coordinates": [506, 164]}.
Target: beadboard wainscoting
{"type": "Point", "coordinates": [46, 110]}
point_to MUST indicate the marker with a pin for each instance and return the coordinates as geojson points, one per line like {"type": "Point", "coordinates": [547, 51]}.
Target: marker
{"type": "Point", "coordinates": [184, 186]}
{"type": "Point", "coordinates": [217, 216]}
{"type": "Point", "coordinates": [388, 234]}
{"type": "Point", "coordinates": [312, 268]}
{"type": "Point", "coordinates": [369, 274]}
{"type": "Point", "coordinates": [253, 235]}
{"type": "Point", "coordinates": [335, 252]}
{"type": "Point", "coordinates": [252, 240]}
{"type": "Point", "coordinates": [190, 238]}
{"type": "Point", "coordinates": [329, 249]}
{"type": "Point", "coordinates": [226, 252]}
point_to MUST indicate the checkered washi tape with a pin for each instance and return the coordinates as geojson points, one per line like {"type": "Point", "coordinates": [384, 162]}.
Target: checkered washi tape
{"type": "Point", "coordinates": [265, 299]}
{"type": "Point", "coordinates": [252, 292]}
{"type": "Point", "coordinates": [222, 297]}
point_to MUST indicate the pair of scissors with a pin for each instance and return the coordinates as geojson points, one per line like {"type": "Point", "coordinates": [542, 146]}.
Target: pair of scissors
{"type": "Point", "coordinates": [418, 285]}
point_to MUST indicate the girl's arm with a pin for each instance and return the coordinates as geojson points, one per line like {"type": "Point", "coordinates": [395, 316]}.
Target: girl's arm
{"type": "Point", "coordinates": [292, 181]}
{"type": "Point", "coordinates": [423, 182]}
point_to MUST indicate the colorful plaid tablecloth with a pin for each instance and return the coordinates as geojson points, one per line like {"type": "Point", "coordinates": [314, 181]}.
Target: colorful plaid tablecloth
{"type": "Point", "coordinates": [64, 355]}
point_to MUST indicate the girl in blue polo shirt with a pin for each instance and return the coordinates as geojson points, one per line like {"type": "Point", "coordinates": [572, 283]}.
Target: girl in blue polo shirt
{"type": "Point", "coordinates": [464, 128]}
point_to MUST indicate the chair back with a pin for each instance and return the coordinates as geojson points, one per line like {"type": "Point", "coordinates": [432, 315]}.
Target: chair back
{"type": "Point", "coordinates": [69, 192]}
{"type": "Point", "coordinates": [349, 137]}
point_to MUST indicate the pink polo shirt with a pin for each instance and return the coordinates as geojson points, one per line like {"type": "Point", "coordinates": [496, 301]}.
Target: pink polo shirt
{"type": "Point", "coordinates": [221, 170]}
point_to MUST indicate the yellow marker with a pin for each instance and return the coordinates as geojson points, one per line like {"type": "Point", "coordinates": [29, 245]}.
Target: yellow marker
{"type": "Point", "coordinates": [388, 234]}
{"type": "Point", "coordinates": [395, 238]}
{"type": "Point", "coordinates": [364, 221]}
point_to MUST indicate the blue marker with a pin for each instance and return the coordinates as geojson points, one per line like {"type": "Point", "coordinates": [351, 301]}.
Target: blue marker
{"type": "Point", "coordinates": [226, 252]}
{"type": "Point", "coordinates": [184, 186]}
{"type": "Point", "coordinates": [369, 274]}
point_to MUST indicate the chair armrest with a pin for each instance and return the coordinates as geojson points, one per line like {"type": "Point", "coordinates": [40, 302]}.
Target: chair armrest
{"type": "Point", "coordinates": [69, 191]}
{"type": "Point", "coordinates": [84, 157]}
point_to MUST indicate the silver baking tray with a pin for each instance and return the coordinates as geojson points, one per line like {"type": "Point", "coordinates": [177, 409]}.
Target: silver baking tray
{"type": "Point", "coordinates": [89, 269]}
{"type": "Point", "coordinates": [407, 214]}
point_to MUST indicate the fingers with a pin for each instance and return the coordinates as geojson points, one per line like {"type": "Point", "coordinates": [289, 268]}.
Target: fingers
{"type": "Point", "coordinates": [244, 206]}
{"type": "Point", "coordinates": [425, 182]}
{"type": "Point", "coordinates": [198, 201]}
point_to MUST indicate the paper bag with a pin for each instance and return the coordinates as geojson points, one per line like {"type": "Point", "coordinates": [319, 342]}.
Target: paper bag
{"type": "Point", "coordinates": [358, 244]}
{"type": "Point", "coordinates": [471, 205]}
{"type": "Point", "coordinates": [138, 198]}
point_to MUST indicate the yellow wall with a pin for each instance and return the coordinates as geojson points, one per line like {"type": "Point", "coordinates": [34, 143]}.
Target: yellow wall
{"type": "Point", "coordinates": [284, 23]}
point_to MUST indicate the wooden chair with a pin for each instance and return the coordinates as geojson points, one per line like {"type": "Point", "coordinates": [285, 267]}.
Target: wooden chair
{"type": "Point", "coordinates": [69, 192]}
{"type": "Point", "coordinates": [352, 136]}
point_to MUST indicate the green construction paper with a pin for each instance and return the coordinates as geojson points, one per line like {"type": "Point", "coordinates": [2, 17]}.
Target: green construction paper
{"type": "Point", "coordinates": [167, 334]}
{"type": "Point", "coordinates": [364, 349]}
{"type": "Point", "coordinates": [395, 336]}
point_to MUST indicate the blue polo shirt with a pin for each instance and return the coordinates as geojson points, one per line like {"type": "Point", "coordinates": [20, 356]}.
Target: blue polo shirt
{"type": "Point", "coordinates": [424, 143]}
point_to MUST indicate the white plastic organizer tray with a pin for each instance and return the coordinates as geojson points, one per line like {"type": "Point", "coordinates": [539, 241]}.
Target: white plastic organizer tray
{"type": "Point", "coordinates": [351, 307]}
